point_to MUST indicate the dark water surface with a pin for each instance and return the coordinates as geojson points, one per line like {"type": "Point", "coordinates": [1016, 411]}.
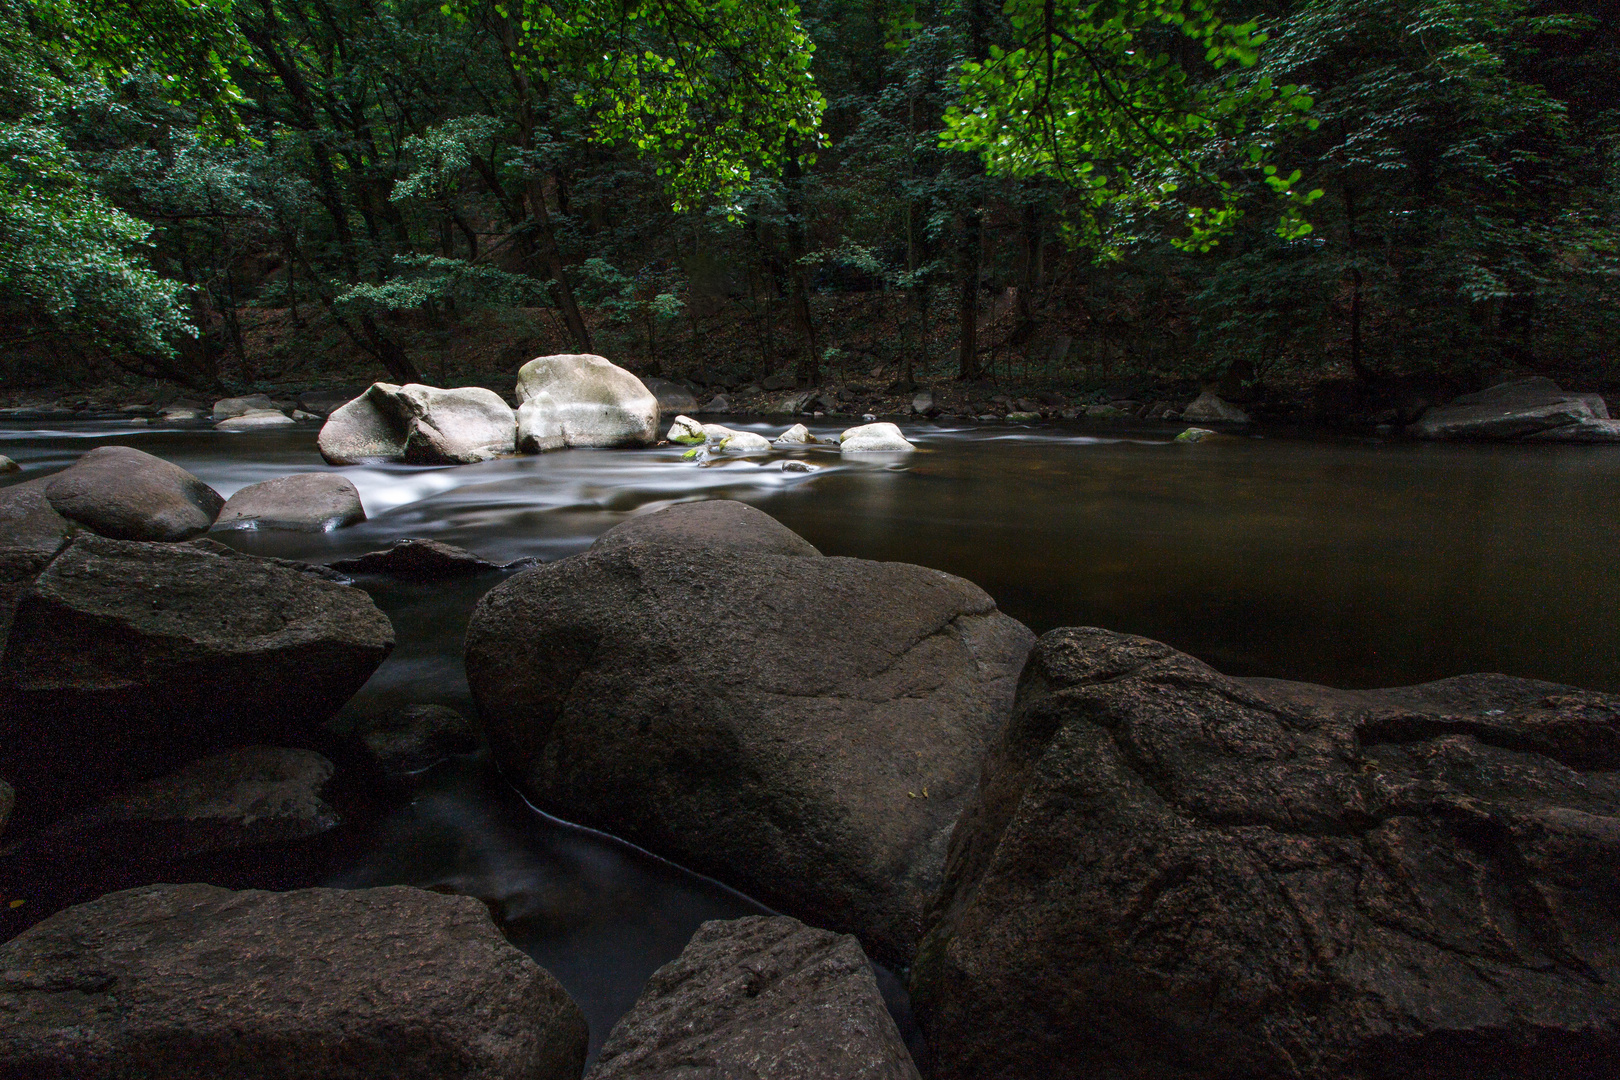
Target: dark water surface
{"type": "Point", "coordinates": [1352, 563]}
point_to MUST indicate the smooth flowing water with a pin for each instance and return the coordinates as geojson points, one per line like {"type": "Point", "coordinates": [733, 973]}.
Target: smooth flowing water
{"type": "Point", "coordinates": [1352, 563]}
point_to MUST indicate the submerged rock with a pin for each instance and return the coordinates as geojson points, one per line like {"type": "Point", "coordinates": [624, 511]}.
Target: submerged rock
{"type": "Point", "coordinates": [194, 981]}
{"type": "Point", "coordinates": [579, 399]}
{"type": "Point", "coordinates": [804, 728]}
{"type": "Point", "coordinates": [874, 438]}
{"type": "Point", "coordinates": [1514, 410]}
{"type": "Point", "coordinates": [759, 997]}
{"type": "Point", "coordinates": [123, 493]}
{"type": "Point", "coordinates": [1209, 407]}
{"type": "Point", "coordinates": [422, 425]}
{"type": "Point", "coordinates": [418, 737]}
{"type": "Point", "coordinates": [422, 560]}
{"type": "Point", "coordinates": [1172, 873]}
{"type": "Point", "coordinates": [126, 659]}
{"type": "Point", "coordinates": [306, 502]}
{"type": "Point", "coordinates": [259, 418]}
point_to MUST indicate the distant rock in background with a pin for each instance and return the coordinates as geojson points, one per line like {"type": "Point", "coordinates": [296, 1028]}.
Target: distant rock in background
{"type": "Point", "coordinates": [1209, 407]}
{"type": "Point", "coordinates": [672, 397]}
{"type": "Point", "coordinates": [306, 502]}
{"type": "Point", "coordinates": [256, 420]}
{"type": "Point", "coordinates": [759, 997]}
{"type": "Point", "coordinates": [344, 984]}
{"type": "Point", "coordinates": [717, 404]}
{"type": "Point", "coordinates": [781, 380]}
{"type": "Point", "coordinates": [922, 403]}
{"type": "Point", "coordinates": [421, 425]}
{"type": "Point", "coordinates": [126, 494]}
{"type": "Point", "coordinates": [1536, 409]}
{"type": "Point", "coordinates": [227, 408]}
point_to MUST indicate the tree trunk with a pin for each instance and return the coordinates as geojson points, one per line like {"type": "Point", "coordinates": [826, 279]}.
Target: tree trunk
{"type": "Point", "coordinates": [970, 243]}
{"type": "Point", "coordinates": [809, 367]}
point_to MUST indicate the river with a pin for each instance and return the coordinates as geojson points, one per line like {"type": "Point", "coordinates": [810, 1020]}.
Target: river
{"type": "Point", "coordinates": [1342, 561]}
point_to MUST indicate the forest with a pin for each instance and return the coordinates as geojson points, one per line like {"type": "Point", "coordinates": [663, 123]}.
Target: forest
{"type": "Point", "coordinates": [251, 194]}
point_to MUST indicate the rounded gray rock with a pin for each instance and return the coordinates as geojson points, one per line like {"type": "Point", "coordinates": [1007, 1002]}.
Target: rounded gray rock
{"type": "Point", "coordinates": [580, 399]}
{"type": "Point", "coordinates": [422, 425]}
{"type": "Point", "coordinates": [700, 526]}
{"type": "Point", "coordinates": [306, 502]}
{"type": "Point", "coordinates": [193, 982]}
{"type": "Point", "coordinates": [126, 494]}
{"type": "Point", "coordinates": [804, 728]}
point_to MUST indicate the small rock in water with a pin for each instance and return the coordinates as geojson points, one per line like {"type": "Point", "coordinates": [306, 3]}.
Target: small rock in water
{"type": "Point", "coordinates": [799, 466]}
{"type": "Point", "coordinates": [8, 466]}
{"type": "Point", "coordinates": [798, 433]}
{"type": "Point", "coordinates": [699, 454]}
{"type": "Point", "coordinates": [418, 737]}
{"type": "Point", "coordinates": [684, 429]}
{"type": "Point", "coordinates": [1023, 417]}
{"type": "Point", "coordinates": [1198, 434]}
{"type": "Point", "coordinates": [306, 502]}
{"type": "Point", "coordinates": [874, 438]}
{"type": "Point", "coordinates": [745, 442]}
{"type": "Point", "coordinates": [419, 560]}
{"type": "Point", "coordinates": [304, 417]}
{"type": "Point", "coordinates": [868, 417]}
{"type": "Point", "coordinates": [252, 421]}
{"type": "Point", "coordinates": [717, 404]}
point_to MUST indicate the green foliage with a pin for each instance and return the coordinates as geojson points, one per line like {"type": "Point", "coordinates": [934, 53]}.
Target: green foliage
{"type": "Point", "coordinates": [1105, 98]}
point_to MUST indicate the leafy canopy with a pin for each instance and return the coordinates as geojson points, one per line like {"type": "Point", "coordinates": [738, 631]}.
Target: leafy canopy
{"type": "Point", "coordinates": [1128, 102]}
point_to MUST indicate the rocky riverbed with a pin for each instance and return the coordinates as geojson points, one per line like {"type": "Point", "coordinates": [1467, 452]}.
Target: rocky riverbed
{"type": "Point", "coordinates": [1088, 855]}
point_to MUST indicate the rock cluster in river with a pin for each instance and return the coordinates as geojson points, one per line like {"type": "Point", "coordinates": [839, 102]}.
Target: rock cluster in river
{"type": "Point", "coordinates": [422, 425]}
{"type": "Point", "coordinates": [192, 982]}
{"type": "Point", "coordinates": [1172, 873]}
{"type": "Point", "coordinates": [804, 728]}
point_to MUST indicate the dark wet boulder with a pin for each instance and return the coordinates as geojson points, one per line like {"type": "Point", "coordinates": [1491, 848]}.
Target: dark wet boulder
{"type": "Point", "coordinates": [192, 982]}
{"type": "Point", "coordinates": [31, 533]}
{"type": "Point", "coordinates": [1208, 407]}
{"type": "Point", "coordinates": [422, 560]}
{"type": "Point", "coordinates": [673, 398]}
{"type": "Point", "coordinates": [1171, 873]}
{"type": "Point", "coordinates": [266, 800]}
{"type": "Point", "coordinates": [759, 997]}
{"type": "Point", "coordinates": [127, 659]}
{"type": "Point", "coordinates": [1536, 407]}
{"type": "Point", "coordinates": [803, 728]}
{"type": "Point", "coordinates": [717, 523]}
{"type": "Point", "coordinates": [123, 493]}
{"type": "Point", "coordinates": [306, 502]}
{"type": "Point", "coordinates": [418, 737]}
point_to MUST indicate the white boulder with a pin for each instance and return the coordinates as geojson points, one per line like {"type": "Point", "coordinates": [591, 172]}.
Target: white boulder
{"type": "Point", "coordinates": [423, 425]}
{"type": "Point", "coordinates": [874, 438]}
{"type": "Point", "coordinates": [577, 399]}
{"type": "Point", "coordinates": [745, 442]}
{"type": "Point", "coordinates": [798, 433]}
{"type": "Point", "coordinates": [258, 418]}
{"type": "Point", "coordinates": [227, 408]}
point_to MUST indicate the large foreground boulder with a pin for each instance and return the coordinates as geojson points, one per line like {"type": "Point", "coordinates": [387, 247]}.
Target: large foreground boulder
{"type": "Point", "coordinates": [191, 982]}
{"type": "Point", "coordinates": [127, 494]}
{"type": "Point", "coordinates": [1174, 874]}
{"type": "Point", "coordinates": [759, 997]}
{"type": "Point", "coordinates": [263, 799]}
{"type": "Point", "coordinates": [578, 399]}
{"type": "Point", "coordinates": [1522, 408]}
{"type": "Point", "coordinates": [31, 533]}
{"type": "Point", "coordinates": [804, 728]}
{"type": "Point", "coordinates": [127, 659]}
{"type": "Point", "coordinates": [422, 425]}
{"type": "Point", "coordinates": [305, 502]}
